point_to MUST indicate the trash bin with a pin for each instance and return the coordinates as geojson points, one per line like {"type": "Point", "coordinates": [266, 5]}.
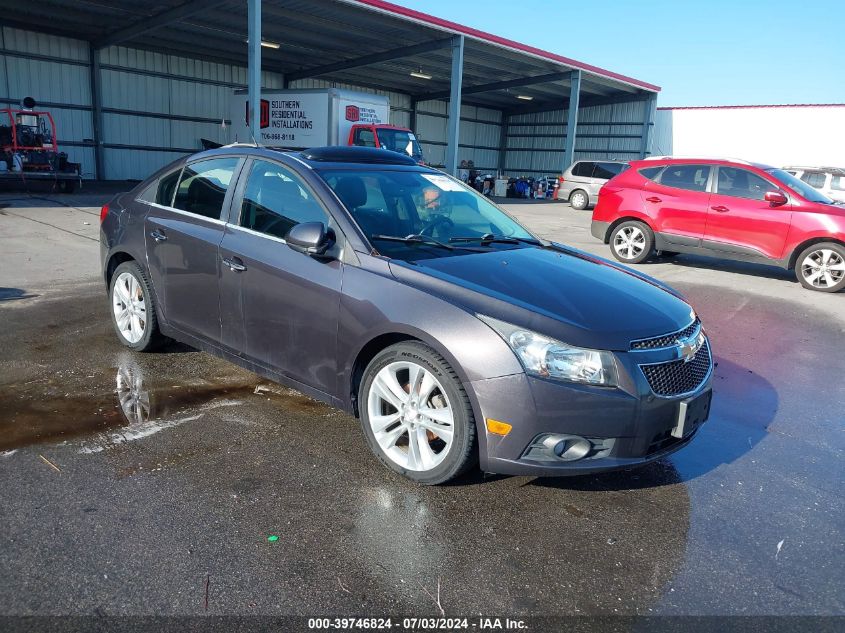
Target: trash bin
{"type": "Point", "coordinates": [500, 190]}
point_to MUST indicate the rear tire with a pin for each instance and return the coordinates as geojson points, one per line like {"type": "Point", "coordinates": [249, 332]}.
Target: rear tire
{"type": "Point", "coordinates": [632, 242]}
{"type": "Point", "coordinates": [821, 267]}
{"type": "Point", "coordinates": [133, 309]}
{"type": "Point", "coordinates": [416, 416]}
{"type": "Point", "coordinates": [579, 200]}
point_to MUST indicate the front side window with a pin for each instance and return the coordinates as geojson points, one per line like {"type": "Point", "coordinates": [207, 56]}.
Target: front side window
{"type": "Point", "coordinates": [202, 188]}
{"type": "Point", "coordinates": [275, 201]}
{"type": "Point", "coordinates": [365, 137]}
{"type": "Point", "coordinates": [689, 177]}
{"type": "Point", "coordinates": [741, 183]}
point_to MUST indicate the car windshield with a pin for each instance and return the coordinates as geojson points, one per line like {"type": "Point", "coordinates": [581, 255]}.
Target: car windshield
{"type": "Point", "coordinates": [401, 141]}
{"type": "Point", "coordinates": [428, 206]}
{"type": "Point", "coordinates": [799, 186]}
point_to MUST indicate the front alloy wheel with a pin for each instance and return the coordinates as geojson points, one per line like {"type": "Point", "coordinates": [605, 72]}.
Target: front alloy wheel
{"type": "Point", "coordinates": [822, 267]}
{"type": "Point", "coordinates": [416, 415]}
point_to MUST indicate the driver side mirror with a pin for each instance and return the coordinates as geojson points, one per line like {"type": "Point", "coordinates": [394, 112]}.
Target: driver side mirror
{"type": "Point", "coordinates": [775, 198]}
{"type": "Point", "coordinates": [310, 238]}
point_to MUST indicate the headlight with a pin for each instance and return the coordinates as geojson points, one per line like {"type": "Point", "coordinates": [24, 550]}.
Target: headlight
{"type": "Point", "coordinates": [545, 357]}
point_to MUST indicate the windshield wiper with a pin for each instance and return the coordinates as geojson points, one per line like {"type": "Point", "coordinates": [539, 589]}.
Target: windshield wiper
{"type": "Point", "coordinates": [489, 238]}
{"type": "Point", "coordinates": [414, 238]}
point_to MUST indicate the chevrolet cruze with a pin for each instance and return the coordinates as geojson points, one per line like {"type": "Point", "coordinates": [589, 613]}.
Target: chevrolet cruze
{"type": "Point", "coordinates": [398, 294]}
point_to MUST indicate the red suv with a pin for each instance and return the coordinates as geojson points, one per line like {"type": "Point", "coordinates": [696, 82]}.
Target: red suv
{"type": "Point", "coordinates": [723, 208]}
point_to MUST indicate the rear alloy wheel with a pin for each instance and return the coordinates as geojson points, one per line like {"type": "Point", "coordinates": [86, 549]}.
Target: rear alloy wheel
{"type": "Point", "coordinates": [579, 200]}
{"type": "Point", "coordinates": [822, 267]}
{"type": "Point", "coordinates": [632, 242]}
{"type": "Point", "coordinates": [416, 415]}
{"type": "Point", "coordinates": [133, 312]}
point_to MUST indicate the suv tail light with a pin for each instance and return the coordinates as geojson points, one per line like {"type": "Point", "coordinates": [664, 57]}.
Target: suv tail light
{"type": "Point", "coordinates": [104, 211]}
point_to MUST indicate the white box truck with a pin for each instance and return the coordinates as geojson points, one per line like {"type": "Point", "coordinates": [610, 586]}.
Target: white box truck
{"type": "Point", "coordinates": [301, 119]}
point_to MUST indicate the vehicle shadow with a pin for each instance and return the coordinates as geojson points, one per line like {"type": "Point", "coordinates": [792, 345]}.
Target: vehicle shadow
{"type": "Point", "coordinates": [14, 294]}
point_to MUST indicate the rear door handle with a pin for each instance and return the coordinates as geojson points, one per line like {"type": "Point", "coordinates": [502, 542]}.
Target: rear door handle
{"type": "Point", "coordinates": [158, 235]}
{"type": "Point", "coordinates": [653, 199]}
{"type": "Point", "coordinates": [234, 264]}
{"type": "Point", "coordinates": [720, 209]}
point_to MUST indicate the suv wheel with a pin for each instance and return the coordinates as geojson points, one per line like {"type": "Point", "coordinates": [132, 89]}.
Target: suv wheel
{"type": "Point", "coordinates": [822, 267]}
{"type": "Point", "coordinates": [133, 311]}
{"type": "Point", "coordinates": [579, 200]}
{"type": "Point", "coordinates": [416, 415]}
{"type": "Point", "coordinates": [632, 242]}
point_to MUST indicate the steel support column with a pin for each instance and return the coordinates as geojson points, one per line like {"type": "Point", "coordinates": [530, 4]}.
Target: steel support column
{"type": "Point", "coordinates": [453, 130]}
{"type": "Point", "coordinates": [648, 125]}
{"type": "Point", "coordinates": [96, 111]}
{"type": "Point", "coordinates": [254, 69]}
{"type": "Point", "coordinates": [503, 142]}
{"type": "Point", "coordinates": [572, 119]}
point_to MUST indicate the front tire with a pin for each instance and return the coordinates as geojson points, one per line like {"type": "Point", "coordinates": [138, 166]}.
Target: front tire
{"type": "Point", "coordinates": [415, 414]}
{"type": "Point", "coordinates": [579, 200]}
{"type": "Point", "coordinates": [632, 242]}
{"type": "Point", "coordinates": [821, 267]}
{"type": "Point", "coordinates": [133, 309]}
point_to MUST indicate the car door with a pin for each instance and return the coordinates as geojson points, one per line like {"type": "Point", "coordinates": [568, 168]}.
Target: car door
{"type": "Point", "coordinates": [677, 202]}
{"type": "Point", "coordinates": [740, 221]}
{"type": "Point", "coordinates": [279, 307]}
{"type": "Point", "coordinates": [182, 241]}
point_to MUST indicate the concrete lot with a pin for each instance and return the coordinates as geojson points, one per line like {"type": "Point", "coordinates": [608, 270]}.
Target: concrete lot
{"type": "Point", "coordinates": [171, 506]}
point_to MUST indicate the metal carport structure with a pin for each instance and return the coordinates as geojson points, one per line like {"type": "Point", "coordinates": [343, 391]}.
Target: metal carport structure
{"type": "Point", "coordinates": [374, 45]}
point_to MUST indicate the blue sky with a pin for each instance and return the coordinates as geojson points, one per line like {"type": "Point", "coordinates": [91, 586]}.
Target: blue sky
{"type": "Point", "coordinates": [721, 52]}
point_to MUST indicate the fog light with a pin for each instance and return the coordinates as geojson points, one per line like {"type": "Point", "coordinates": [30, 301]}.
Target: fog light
{"type": "Point", "coordinates": [567, 448]}
{"type": "Point", "coordinates": [498, 428]}
{"type": "Point", "coordinates": [572, 449]}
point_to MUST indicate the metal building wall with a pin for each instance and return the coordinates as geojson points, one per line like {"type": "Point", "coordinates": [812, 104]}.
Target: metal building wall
{"type": "Point", "coordinates": [156, 107]}
{"type": "Point", "coordinates": [535, 142]}
{"type": "Point", "coordinates": [54, 71]}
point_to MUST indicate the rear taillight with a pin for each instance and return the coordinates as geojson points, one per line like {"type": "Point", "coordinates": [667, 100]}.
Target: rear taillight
{"type": "Point", "coordinates": [104, 211]}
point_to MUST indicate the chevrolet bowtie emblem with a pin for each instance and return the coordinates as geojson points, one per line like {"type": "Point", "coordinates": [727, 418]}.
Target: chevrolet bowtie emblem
{"type": "Point", "coordinates": [688, 347]}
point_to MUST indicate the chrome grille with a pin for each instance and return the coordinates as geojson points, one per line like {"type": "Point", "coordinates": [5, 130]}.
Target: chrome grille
{"type": "Point", "coordinates": [667, 340]}
{"type": "Point", "coordinates": [679, 377]}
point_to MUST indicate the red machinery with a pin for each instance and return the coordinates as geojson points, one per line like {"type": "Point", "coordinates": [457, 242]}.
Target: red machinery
{"type": "Point", "coordinates": [29, 151]}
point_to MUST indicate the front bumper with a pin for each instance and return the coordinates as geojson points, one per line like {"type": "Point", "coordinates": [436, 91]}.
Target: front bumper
{"type": "Point", "coordinates": [631, 422]}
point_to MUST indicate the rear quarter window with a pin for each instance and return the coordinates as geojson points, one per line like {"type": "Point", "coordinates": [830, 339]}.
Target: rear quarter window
{"type": "Point", "coordinates": [650, 172]}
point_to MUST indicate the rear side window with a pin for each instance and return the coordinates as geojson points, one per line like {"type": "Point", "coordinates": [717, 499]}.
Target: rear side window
{"type": "Point", "coordinates": [202, 188]}
{"type": "Point", "coordinates": [837, 183]}
{"type": "Point", "coordinates": [814, 179]}
{"type": "Point", "coordinates": [689, 177]}
{"type": "Point", "coordinates": [608, 170]}
{"type": "Point", "coordinates": [166, 187]}
{"type": "Point", "coordinates": [741, 183]}
{"type": "Point", "coordinates": [651, 172]}
{"type": "Point", "coordinates": [583, 169]}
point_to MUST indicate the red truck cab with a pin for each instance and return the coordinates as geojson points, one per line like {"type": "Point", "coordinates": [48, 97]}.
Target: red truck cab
{"type": "Point", "coordinates": [392, 137]}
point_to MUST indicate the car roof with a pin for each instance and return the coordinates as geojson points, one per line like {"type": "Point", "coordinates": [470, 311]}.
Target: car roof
{"type": "Point", "coordinates": [655, 161]}
{"type": "Point", "coordinates": [321, 157]}
{"type": "Point", "coordinates": [836, 171]}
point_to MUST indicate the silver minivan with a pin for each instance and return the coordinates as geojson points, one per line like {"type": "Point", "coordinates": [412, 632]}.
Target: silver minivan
{"type": "Point", "coordinates": [829, 180]}
{"type": "Point", "coordinates": [581, 182]}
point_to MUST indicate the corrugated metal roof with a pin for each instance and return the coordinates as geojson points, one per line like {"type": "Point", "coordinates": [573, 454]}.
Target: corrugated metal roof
{"type": "Point", "coordinates": [316, 33]}
{"type": "Point", "coordinates": [745, 107]}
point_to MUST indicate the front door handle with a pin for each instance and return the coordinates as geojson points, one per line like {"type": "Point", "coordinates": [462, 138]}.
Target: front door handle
{"type": "Point", "coordinates": [720, 209]}
{"type": "Point", "coordinates": [158, 235]}
{"type": "Point", "coordinates": [653, 199]}
{"type": "Point", "coordinates": [234, 264]}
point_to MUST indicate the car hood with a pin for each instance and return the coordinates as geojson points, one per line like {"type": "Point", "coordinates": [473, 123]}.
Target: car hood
{"type": "Point", "coordinates": [572, 296]}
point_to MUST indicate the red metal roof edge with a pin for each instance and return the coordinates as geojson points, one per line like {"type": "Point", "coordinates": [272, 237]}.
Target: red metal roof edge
{"type": "Point", "coordinates": [746, 107]}
{"type": "Point", "coordinates": [395, 9]}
